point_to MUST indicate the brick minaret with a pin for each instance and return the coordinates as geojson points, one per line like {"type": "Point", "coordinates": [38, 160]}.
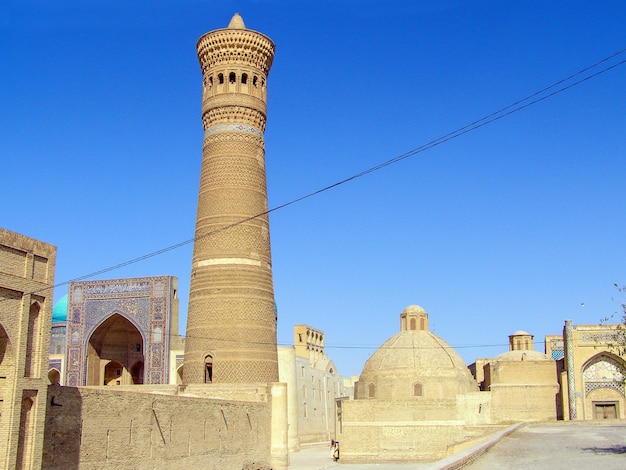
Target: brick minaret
{"type": "Point", "coordinates": [231, 325]}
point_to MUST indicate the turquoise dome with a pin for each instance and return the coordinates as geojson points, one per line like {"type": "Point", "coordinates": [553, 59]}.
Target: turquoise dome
{"type": "Point", "coordinates": [59, 311]}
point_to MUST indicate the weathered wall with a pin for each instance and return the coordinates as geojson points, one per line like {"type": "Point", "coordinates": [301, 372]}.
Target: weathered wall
{"type": "Point", "coordinates": [386, 431]}
{"type": "Point", "coordinates": [522, 390]}
{"type": "Point", "coordinates": [102, 428]}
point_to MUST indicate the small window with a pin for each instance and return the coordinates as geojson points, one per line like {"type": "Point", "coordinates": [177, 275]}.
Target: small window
{"type": "Point", "coordinates": [412, 324]}
{"type": "Point", "coordinates": [371, 391]}
{"type": "Point", "coordinates": [232, 78]}
{"type": "Point", "coordinates": [255, 83]}
{"type": "Point", "coordinates": [244, 78]}
{"type": "Point", "coordinates": [137, 347]}
{"type": "Point", "coordinates": [208, 369]}
{"type": "Point", "coordinates": [220, 78]}
{"type": "Point", "coordinates": [417, 390]}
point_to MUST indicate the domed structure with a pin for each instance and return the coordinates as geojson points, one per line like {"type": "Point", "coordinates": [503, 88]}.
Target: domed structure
{"type": "Point", "coordinates": [414, 363]}
{"type": "Point", "coordinates": [522, 355]}
{"type": "Point", "coordinates": [59, 311]}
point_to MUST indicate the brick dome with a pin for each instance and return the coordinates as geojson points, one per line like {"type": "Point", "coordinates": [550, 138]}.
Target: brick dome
{"type": "Point", "coordinates": [414, 363]}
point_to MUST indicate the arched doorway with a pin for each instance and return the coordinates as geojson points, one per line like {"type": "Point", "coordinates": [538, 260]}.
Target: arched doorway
{"type": "Point", "coordinates": [179, 375]}
{"type": "Point", "coordinates": [113, 373]}
{"type": "Point", "coordinates": [604, 387]}
{"type": "Point", "coordinates": [113, 347]}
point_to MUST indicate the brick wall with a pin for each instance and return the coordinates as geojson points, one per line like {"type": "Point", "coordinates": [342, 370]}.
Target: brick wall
{"type": "Point", "coordinates": [101, 428]}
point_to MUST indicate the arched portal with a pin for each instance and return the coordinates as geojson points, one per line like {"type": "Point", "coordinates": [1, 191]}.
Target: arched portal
{"type": "Point", "coordinates": [604, 387]}
{"type": "Point", "coordinates": [113, 348]}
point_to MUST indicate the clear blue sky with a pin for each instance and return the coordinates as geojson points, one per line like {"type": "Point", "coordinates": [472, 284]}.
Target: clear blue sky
{"type": "Point", "coordinates": [513, 226]}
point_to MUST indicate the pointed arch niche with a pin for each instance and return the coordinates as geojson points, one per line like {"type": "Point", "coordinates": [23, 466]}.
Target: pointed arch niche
{"type": "Point", "coordinates": [603, 381]}
{"type": "Point", "coordinates": [115, 353]}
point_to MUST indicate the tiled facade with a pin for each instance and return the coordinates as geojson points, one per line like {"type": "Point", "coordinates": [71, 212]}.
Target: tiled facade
{"type": "Point", "coordinates": [149, 304]}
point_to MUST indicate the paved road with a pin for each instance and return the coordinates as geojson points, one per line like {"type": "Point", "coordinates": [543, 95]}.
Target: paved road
{"type": "Point", "coordinates": [554, 446]}
{"type": "Point", "coordinates": [559, 446]}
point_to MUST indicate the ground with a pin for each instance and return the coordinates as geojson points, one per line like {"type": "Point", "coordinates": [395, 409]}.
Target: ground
{"type": "Point", "coordinates": [557, 446]}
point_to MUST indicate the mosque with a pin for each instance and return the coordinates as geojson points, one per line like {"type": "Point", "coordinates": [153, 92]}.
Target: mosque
{"type": "Point", "coordinates": [103, 380]}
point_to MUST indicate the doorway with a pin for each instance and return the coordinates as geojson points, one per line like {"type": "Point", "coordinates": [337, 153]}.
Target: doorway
{"type": "Point", "coordinates": [605, 410]}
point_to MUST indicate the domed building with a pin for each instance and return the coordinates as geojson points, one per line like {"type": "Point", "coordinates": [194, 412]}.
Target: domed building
{"type": "Point", "coordinates": [415, 400]}
{"type": "Point", "coordinates": [522, 382]}
{"type": "Point", "coordinates": [414, 363]}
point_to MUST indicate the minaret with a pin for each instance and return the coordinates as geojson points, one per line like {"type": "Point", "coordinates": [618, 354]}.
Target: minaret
{"type": "Point", "coordinates": [231, 324]}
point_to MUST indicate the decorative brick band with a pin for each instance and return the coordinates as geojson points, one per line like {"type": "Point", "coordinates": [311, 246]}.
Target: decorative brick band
{"type": "Point", "coordinates": [233, 128]}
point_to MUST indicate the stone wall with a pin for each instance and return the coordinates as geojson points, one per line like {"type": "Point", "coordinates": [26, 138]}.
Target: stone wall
{"type": "Point", "coordinates": [102, 428]}
{"type": "Point", "coordinates": [386, 431]}
{"type": "Point", "coordinates": [523, 391]}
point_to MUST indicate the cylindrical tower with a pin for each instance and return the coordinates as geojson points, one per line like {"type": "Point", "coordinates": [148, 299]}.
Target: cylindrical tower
{"type": "Point", "coordinates": [231, 324]}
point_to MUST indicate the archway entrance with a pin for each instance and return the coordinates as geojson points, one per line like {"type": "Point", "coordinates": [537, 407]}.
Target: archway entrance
{"type": "Point", "coordinates": [113, 348]}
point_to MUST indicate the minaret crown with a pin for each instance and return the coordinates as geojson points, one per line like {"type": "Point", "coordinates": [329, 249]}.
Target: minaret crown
{"type": "Point", "coordinates": [236, 22]}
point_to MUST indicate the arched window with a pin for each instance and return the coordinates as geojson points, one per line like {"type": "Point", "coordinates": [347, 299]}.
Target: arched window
{"type": "Point", "coordinates": [210, 82]}
{"type": "Point", "coordinates": [417, 389]}
{"type": "Point", "coordinates": [232, 78]}
{"type": "Point", "coordinates": [244, 78]}
{"type": "Point", "coordinates": [30, 367]}
{"type": "Point", "coordinates": [371, 391]}
{"type": "Point", "coordinates": [54, 377]}
{"type": "Point", "coordinates": [254, 82]}
{"type": "Point", "coordinates": [208, 369]}
{"type": "Point", "coordinates": [412, 324]}
{"type": "Point", "coordinates": [220, 78]}
{"type": "Point", "coordinates": [422, 324]}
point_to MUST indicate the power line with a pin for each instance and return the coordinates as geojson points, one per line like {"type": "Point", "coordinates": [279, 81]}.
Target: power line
{"type": "Point", "coordinates": [518, 105]}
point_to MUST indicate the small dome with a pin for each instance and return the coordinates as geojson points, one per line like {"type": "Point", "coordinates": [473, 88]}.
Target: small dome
{"type": "Point", "coordinates": [59, 310]}
{"type": "Point", "coordinates": [236, 22]}
{"type": "Point", "coordinates": [522, 355]}
{"type": "Point", "coordinates": [414, 309]}
{"type": "Point", "coordinates": [520, 333]}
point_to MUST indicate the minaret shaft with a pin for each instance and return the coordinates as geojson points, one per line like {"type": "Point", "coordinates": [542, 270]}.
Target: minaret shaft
{"type": "Point", "coordinates": [231, 325]}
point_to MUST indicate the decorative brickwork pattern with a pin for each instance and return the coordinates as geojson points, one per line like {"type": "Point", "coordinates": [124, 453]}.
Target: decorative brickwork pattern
{"type": "Point", "coordinates": [231, 325]}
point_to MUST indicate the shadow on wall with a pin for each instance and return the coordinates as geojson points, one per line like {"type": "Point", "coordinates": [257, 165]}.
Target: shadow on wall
{"type": "Point", "coordinates": [62, 434]}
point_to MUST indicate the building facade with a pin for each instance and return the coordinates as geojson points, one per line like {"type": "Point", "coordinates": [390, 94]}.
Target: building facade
{"type": "Point", "coordinates": [590, 373]}
{"type": "Point", "coordinates": [26, 284]}
{"type": "Point", "coordinates": [314, 385]}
